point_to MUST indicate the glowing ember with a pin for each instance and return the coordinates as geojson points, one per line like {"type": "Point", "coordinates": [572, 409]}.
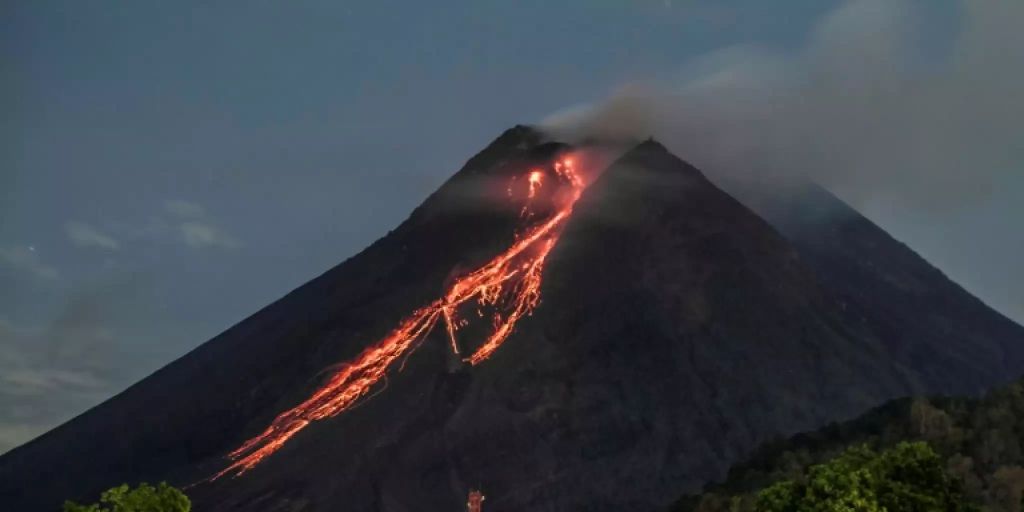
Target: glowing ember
{"type": "Point", "coordinates": [536, 178]}
{"type": "Point", "coordinates": [475, 501]}
{"type": "Point", "coordinates": [509, 285]}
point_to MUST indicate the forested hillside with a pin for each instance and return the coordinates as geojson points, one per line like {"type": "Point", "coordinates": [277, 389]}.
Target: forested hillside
{"type": "Point", "coordinates": [978, 443]}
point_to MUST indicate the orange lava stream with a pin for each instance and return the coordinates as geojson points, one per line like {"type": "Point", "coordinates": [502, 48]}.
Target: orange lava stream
{"type": "Point", "coordinates": [510, 282]}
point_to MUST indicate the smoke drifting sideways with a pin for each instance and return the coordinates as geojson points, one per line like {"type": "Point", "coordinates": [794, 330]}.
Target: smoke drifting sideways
{"type": "Point", "coordinates": [867, 107]}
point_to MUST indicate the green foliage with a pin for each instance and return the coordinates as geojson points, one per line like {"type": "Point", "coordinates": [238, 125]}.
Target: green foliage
{"type": "Point", "coordinates": [144, 498]}
{"type": "Point", "coordinates": [978, 443]}
{"type": "Point", "coordinates": [909, 477]}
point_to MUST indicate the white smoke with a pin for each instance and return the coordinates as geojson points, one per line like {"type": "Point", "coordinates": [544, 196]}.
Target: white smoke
{"type": "Point", "coordinates": [862, 108]}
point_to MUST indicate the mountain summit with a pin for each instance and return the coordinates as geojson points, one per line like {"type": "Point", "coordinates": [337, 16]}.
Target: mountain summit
{"type": "Point", "coordinates": [557, 332]}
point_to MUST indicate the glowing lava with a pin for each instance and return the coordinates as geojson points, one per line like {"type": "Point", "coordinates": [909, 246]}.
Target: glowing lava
{"type": "Point", "coordinates": [536, 179]}
{"type": "Point", "coordinates": [509, 284]}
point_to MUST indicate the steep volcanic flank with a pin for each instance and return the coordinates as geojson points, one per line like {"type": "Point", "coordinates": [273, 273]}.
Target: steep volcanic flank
{"type": "Point", "coordinates": [508, 285]}
{"type": "Point", "coordinates": [926, 320]}
{"type": "Point", "coordinates": [671, 331]}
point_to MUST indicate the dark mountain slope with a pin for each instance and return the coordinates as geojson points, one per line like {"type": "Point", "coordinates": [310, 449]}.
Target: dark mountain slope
{"type": "Point", "coordinates": [927, 321]}
{"type": "Point", "coordinates": [681, 329]}
{"type": "Point", "coordinates": [677, 330]}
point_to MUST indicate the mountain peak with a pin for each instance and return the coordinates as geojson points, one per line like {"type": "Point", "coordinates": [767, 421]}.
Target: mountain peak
{"type": "Point", "coordinates": [653, 155]}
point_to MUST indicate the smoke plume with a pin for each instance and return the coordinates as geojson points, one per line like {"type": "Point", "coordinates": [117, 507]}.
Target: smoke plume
{"type": "Point", "coordinates": [865, 107]}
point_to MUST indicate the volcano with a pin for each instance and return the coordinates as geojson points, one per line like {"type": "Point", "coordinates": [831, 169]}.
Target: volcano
{"type": "Point", "coordinates": [559, 331]}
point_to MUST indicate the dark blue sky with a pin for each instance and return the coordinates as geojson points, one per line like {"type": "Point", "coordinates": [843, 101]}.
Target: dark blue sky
{"type": "Point", "coordinates": [167, 168]}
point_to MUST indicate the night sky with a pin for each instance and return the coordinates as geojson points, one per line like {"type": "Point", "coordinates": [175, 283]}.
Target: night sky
{"type": "Point", "coordinates": [168, 168]}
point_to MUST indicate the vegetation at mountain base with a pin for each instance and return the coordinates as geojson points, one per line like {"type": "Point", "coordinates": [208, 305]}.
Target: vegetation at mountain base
{"type": "Point", "coordinates": [918, 454]}
{"type": "Point", "coordinates": [144, 498]}
{"type": "Point", "coordinates": [909, 477]}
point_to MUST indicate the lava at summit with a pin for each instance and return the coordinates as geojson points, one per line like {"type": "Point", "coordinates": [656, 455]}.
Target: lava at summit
{"type": "Point", "coordinates": [506, 288]}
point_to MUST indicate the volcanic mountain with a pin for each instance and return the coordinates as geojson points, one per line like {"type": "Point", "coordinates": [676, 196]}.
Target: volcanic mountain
{"type": "Point", "coordinates": [562, 333]}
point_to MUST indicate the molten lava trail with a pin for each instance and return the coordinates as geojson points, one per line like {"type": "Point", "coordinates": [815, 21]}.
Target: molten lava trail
{"type": "Point", "coordinates": [509, 284]}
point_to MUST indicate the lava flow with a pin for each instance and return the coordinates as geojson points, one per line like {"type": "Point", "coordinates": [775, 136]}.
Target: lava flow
{"type": "Point", "coordinates": [509, 284]}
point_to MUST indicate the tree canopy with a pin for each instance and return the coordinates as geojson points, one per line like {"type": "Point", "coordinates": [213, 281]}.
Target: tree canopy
{"type": "Point", "coordinates": [909, 477]}
{"type": "Point", "coordinates": [144, 498]}
{"type": "Point", "coordinates": [978, 442]}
